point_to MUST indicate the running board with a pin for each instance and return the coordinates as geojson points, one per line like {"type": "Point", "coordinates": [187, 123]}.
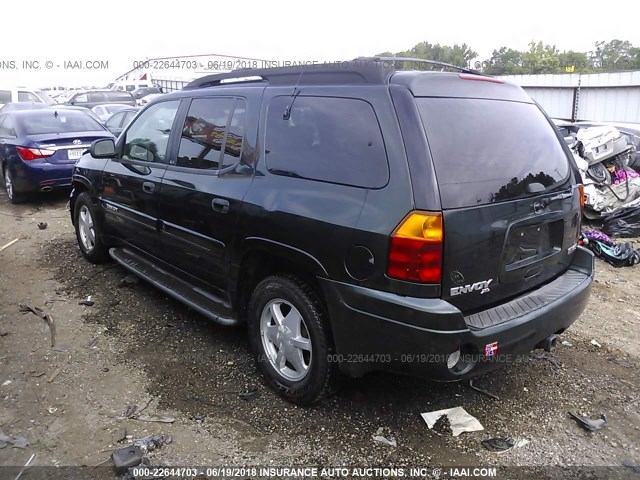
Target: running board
{"type": "Point", "coordinates": [206, 303]}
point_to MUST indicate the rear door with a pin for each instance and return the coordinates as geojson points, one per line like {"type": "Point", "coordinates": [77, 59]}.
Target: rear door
{"type": "Point", "coordinates": [131, 182]}
{"type": "Point", "coordinates": [202, 191]}
{"type": "Point", "coordinates": [510, 205]}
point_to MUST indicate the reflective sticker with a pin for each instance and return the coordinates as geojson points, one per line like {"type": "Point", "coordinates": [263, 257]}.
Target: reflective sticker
{"type": "Point", "coordinates": [490, 349]}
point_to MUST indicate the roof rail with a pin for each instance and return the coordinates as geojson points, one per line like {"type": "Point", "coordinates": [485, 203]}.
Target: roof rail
{"type": "Point", "coordinates": [422, 60]}
{"type": "Point", "coordinates": [351, 72]}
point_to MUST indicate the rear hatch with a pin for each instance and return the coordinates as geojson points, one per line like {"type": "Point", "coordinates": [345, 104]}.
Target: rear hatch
{"type": "Point", "coordinates": [511, 208]}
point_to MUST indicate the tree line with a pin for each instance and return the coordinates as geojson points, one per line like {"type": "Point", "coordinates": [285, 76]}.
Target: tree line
{"type": "Point", "coordinates": [612, 56]}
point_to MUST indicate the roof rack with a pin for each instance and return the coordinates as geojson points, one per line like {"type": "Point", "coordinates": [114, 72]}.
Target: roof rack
{"type": "Point", "coordinates": [363, 70]}
{"type": "Point", "coordinates": [423, 60]}
{"type": "Point", "coordinates": [347, 72]}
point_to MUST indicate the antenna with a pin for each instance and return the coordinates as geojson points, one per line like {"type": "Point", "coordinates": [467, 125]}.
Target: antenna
{"type": "Point", "coordinates": [294, 94]}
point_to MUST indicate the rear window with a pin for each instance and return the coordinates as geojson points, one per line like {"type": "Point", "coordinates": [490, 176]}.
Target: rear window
{"type": "Point", "coordinates": [51, 121]}
{"type": "Point", "coordinates": [488, 151]}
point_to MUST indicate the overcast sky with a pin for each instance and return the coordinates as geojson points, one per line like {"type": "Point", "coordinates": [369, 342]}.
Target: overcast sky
{"type": "Point", "coordinates": [123, 31]}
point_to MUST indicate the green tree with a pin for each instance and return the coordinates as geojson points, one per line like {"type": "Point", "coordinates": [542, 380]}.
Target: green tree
{"type": "Point", "coordinates": [541, 58]}
{"type": "Point", "coordinates": [614, 55]}
{"type": "Point", "coordinates": [505, 61]}
{"type": "Point", "coordinates": [574, 62]}
{"type": "Point", "coordinates": [459, 55]}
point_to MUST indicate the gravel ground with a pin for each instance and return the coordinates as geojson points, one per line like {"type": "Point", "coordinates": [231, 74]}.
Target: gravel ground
{"type": "Point", "coordinates": [136, 346]}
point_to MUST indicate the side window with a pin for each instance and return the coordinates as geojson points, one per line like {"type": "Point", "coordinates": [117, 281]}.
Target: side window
{"type": "Point", "coordinates": [5, 96]}
{"type": "Point", "coordinates": [336, 140]}
{"type": "Point", "coordinates": [97, 97]}
{"type": "Point", "coordinates": [114, 120]}
{"type": "Point", "coordinates": [81, 98]}
{"type": "Point", "coordinates": [147, 138]}
{"type": "Point", "coordinates": [28, 97]}
{"type": "Point", "coordinates": [212, 133]}
{"type": "Point", "coordinates": [98, 110]}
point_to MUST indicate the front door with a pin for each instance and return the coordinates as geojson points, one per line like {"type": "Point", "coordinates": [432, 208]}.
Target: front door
{"type": "Point", "coordinates": [129, 193]}
{"type": "Point", "coordinates": [202, 193]}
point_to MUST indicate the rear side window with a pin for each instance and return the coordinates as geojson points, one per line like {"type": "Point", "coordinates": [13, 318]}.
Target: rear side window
{"type": "Point", "coordinates": [336, 140]}
{"type": "Point", "coordinates": [5, 96]}
{"type": "Point", "coordinates": [212, 133]}
{"type": "Point", "coordinates": [96, 97]}
{"type": "Point", "coordinates": [118, 96]}
{"type": "Point", "coordinates": [487, 151]}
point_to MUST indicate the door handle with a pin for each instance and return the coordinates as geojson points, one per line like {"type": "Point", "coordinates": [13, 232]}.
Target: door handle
{"type": "Point", "coordinates": [148, 187]}
{"type": "Point", "coordinates": [220, 205]}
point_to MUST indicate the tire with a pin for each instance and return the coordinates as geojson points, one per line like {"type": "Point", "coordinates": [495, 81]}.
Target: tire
{"type": "Point", "coordinates": [301, 375]}
{"type": "Point", "coordinates": [14, 197]}
{"type": "Point", "coordinates": [87, 230]}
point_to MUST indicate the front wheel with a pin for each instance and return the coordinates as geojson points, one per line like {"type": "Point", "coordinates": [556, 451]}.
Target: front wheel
{"type": "Point", "coordinates": [87, 230]}
{"type": "Point", "coordinates": [290, 336]}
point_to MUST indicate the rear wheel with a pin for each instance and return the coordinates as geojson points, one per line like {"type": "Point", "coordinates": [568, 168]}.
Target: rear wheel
{"type": "Point", "coordinates": [14, 197]}
{"type": "Point", "coordinates": [290, 336]}
{"type": "Point", "coordinates": [87, 230]}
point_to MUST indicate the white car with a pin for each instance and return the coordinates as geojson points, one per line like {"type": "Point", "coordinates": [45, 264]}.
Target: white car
{"type": "Point", "coordinates": [106, 110]}
{"type": "Point", "coordinates": [21, 94]}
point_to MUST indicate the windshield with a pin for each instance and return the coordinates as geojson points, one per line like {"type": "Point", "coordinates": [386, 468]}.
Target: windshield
{"type": "Point", "coordinates": [58, 122]}
{"type": "Point", "coordinates": [487, 151]}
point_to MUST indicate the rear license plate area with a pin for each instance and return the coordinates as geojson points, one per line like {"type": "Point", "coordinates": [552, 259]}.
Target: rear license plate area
{"type": "Point", "coordinates": [75, 153]}
{"type": "Point", "coordinates": [527, 244]}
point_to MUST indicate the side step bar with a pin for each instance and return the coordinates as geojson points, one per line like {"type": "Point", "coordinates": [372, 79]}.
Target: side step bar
{"type": "Point", "coordinates": [198, 299]}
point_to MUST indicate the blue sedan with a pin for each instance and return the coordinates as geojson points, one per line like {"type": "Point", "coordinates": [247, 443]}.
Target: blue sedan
{"type": "Point", "coordinates": [39, 148]}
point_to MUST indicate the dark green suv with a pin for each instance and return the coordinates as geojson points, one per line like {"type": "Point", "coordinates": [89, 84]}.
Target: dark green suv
{"type": "Point", "coordinates": [356, 217]}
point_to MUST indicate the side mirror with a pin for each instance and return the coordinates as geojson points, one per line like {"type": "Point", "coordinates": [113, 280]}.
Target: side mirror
{"type": "Point", "coordinates": [103, 148]}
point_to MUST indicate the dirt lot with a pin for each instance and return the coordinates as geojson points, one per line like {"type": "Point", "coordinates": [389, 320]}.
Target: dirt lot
{"type": "Point", "coordinates": [135, 346]}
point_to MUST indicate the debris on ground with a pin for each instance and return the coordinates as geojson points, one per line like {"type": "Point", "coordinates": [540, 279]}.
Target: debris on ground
{"type": "Point", "coordinates": [595, 343]}
{"type": "Point", "coordinates": [42, 225]}
{"type": "Point", "coordinates": [26, 465]}
{"type": "Point", "coordinates": [18, 441]}
{"type": "Point", "coordinates": [6, 382]}
{"type": "Point", "coordinates": [127, 457]}
{"type": "Point", "coordinates": [24, 309]}
{"type": "Point", "coordinates": [566, 343]}
{"type": "Point", "coordinates": [128, 281]}
{"type": "Point", "coordinates": [152, 442]}
{"type": "Point", "coordinates": [250, 394]}
{"type": "Point", "coordinates": [545, 356]}
{"type": "Point", "coordinates": [460, 421]}
{"type": "Point", "coordinates": [61, 347]}
{"type": "Point", "coordinates": [198, 418]}
{"type": "Point", "coordinates": [590, 424]}
{"type": "Point", "coordinates": [54, 374]}
{"type": "Point", "coordinates": [617, 254]}
{"type": "Point", "coordinates": [501, 445]}
{"type": "Point", "coordinates": [382, 437]}
{"type": "Point", "coordinates": [88, 302]}
{"type": "Point", "coordinates": [8, 244]}
{"type": "Point", "coordinates": [477, 389]}
{"type": "Point", "coordinates": [617, 361]}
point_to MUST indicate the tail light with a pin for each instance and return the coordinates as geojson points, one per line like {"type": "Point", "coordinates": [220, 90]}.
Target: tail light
{"type": "Point", "coordinates": [33, 153]}
{"type": "Point", "coordinates": [415, 253]}
{"type": "Point", "coordinates": [582, 197]}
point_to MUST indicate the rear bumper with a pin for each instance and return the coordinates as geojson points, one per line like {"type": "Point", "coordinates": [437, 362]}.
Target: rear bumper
{"type": "Point", "coordinates": [35, 176]}
{"type": "Point", "coordinates": [376, 330]}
